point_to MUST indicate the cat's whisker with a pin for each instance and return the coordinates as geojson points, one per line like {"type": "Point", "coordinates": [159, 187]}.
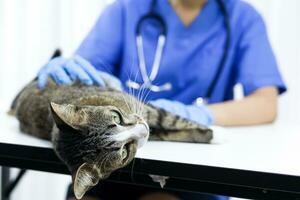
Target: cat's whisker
{"type": "Point", "coordinates": [130, 92]}
{"type": "Point", "coordinates": [145, 93]}
{"type": "Point", "coordinates": [143, 101]}
{"type": "Point", "coordinates": [139, 98]}
{"type": "Point", "coordinates": [139, 93]}
{"type": "Point", "coordinates": [135, 106]}
{"type": "Point", "coordinates": [139, 102]}
{"type": "Point", "coordinates": [131, 171]}
{"type": "Point", "coordinates": [130, 89]}
{"type": "Point", "coordinates": [130, 101]}
{"type": "Point", "coordinates": [123, 96]}
{"type": "Point", "coordinates": [142, 88]}
{"type": "Point", "coordinates": [146, 96]}
{"type": "Point", "coordinates": [129, 78]}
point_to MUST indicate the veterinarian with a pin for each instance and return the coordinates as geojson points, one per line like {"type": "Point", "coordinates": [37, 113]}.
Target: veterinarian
{"type": "Point", "coordinates": [184, 52]}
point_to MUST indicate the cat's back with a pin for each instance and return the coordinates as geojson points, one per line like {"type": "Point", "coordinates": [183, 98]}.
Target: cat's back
{"type": "Point", "coordinates": [31, 106]}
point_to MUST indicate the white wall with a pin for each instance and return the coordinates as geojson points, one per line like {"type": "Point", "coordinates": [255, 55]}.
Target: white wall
{"type": "Point", "coordinates": [31, 29]}
{"type": "Point", "coordinates": [282, 19]}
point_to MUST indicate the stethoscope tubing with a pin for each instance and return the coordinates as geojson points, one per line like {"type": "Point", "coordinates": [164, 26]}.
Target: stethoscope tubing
{"type": "Point", "coordinates": [160, 47]}
{"type": "Point", "coordinates": [157, 58]}
{"type": "Point", "coordinates": [148, 79]}
{"type": "Point", "coordinates": [227, 45]}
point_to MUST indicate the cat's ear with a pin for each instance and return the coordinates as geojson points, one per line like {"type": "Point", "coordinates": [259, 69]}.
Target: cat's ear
{"type": "Point", "coordinates": [87, 176]}
{"type": "Point", "coordinates": [67, 115]}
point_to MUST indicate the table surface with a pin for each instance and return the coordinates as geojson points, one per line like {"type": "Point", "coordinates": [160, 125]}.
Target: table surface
{"type": "Point", "coordinates": [268, 148]}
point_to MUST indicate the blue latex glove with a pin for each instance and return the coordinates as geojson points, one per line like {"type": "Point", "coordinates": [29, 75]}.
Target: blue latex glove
{"type": "Point", "coordinates": [64, 71]}
{"type": "Point", "coordinates": [199, 114]}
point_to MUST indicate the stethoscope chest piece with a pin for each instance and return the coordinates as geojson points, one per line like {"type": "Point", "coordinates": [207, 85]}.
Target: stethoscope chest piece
{"type": "Point", "coordinates": [148, 79]}
{"type": "Point", "coordinates": [151, 86]}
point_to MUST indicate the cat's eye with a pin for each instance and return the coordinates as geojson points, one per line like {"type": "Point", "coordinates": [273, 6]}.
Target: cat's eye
{"type": "Point", "coordinates": [116, 117]}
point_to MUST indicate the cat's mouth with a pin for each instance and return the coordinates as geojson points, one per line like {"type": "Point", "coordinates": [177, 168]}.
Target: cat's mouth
{"type": "Point", "coordinates": [128, 151]}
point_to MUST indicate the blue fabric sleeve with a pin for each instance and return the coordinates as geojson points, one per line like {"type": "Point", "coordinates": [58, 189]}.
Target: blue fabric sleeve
{"type": "Point", "coordinates": [103, 45]}
{"type": "Point", "coordinates": [256, 62]}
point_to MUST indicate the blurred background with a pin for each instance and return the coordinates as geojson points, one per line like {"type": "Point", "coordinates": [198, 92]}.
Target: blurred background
{"type": "Point", "coordinates": [30, 30]}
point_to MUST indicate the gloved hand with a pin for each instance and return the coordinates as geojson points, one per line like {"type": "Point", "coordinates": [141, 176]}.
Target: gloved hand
{"type": "Point", "coordinates": [199, 114]}
{"type": "Point", "coordinates": [67, 70]}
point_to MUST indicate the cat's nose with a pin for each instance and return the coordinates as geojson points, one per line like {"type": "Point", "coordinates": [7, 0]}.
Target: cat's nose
{"type": "Point", "coordinates": [143, 135]}
{"type": "Point", "coordinates": [140, 120]}
{"type": "Point", "coordinates": [138, 133]}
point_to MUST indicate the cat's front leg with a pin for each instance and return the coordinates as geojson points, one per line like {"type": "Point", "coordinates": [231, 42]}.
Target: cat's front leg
{"type": "Point", "coordinates": [168, 127]}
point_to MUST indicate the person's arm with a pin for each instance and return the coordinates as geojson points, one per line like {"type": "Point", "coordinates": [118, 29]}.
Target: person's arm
{"type": "Point", "coordinates": [103, 45]}
{"type": "Point", "coordinates": [260, 107]}
{"type": "Point", "coordinates": [257, 71]}
{"type": "Point", "coordinates": [94, 62]}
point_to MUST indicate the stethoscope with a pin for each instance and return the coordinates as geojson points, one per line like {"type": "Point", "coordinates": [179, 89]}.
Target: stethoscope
{"type": "Point", "coordinates": [148, 79]}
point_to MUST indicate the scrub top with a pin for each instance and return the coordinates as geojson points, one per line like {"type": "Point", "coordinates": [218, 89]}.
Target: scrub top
{"type": "Point", "coordinates": [192, 53]}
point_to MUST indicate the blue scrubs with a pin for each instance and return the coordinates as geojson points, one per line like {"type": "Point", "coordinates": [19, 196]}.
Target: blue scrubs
{"type": "Point", "coordinates": [192, 53]}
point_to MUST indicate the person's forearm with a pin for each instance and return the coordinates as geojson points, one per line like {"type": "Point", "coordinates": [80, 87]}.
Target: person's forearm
{"type": "Point", "coordinates": [258, 108]}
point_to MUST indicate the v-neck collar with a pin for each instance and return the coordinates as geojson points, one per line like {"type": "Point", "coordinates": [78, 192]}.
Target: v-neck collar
{"type": "Point", "coordinates": [195, 19]}
{"type": "Point", "coordinates": [202, 22]}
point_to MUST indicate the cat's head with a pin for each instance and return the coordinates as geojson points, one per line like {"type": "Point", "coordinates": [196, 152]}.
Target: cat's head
{"type": "Point", "coordinates": [95, 140]}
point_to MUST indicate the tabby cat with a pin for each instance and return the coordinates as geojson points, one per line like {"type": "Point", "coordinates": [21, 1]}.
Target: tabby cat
{"type": "Point", "coordinates": [96, 130]}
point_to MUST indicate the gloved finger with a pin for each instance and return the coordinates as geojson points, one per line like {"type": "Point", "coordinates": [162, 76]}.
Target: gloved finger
{"type": "Point", "coordinates": [90, 70]}
{"type": "Point", "coordinates": [42, 79]}
{"type": "Point", "coordinates": [162, 104]}
{"type": "Point", "coordinates": [159, 103]}
{"type": "Point", "coordinates": [174, 107]}
{"type": "Point", "coordinates": [71, 72]}
{"type": "Point", "coordinates": [76, 72]}
{"type": "Point", "coordinates": [111, 81]}
{"type": "Point", "coordinates": [178, 108]}
{"type": "Point", "coordinates": [60, 76]}
{"type": "Point", "coordinates": [44, 72]}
